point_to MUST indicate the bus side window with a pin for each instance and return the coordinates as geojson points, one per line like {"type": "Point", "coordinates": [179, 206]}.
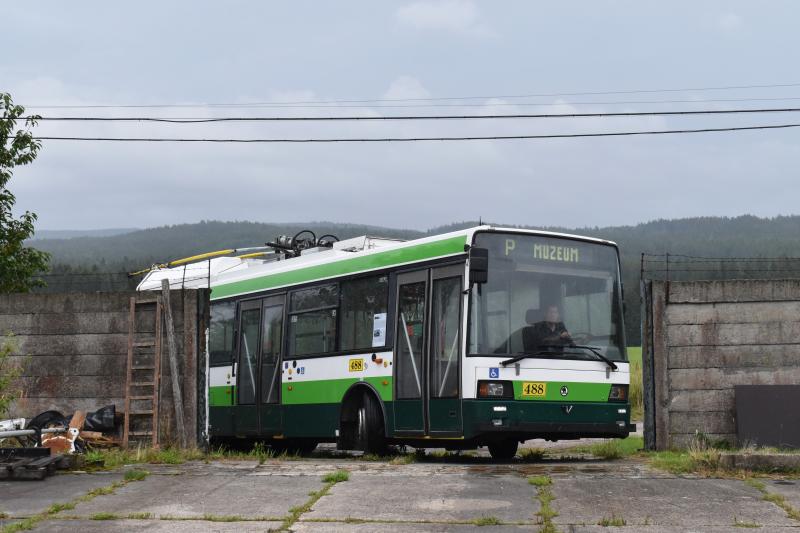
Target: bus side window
{"type": "Point", "coordinates": [363, 307]}
{"type": "Point", "coordinates": [222, 340]}
{"type": "Point", "coordinates": [312, 320]}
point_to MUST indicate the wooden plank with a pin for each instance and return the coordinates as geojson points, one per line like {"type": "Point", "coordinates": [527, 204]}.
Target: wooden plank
{"type": "Point", "coordinates": [172, 353]}
{"type": "Point", "coordinates": [733, 313]}
{"type": "Point", "coordinates": [727, 378]}
{"type": "Point", "coordinates": [710, 334]}
{"type": "Point", "coordinates": [78, 344]}
{"type": "Point", "coordinates": [129, 371]}
{"type": "Point", "coordinates": [648, 391]}
{"type": "Point", "coordinates": [71, 365]}
{"type": "Point", "coordinates": [741, 356]}
{"type": "Point", "coordinates": [70, 323]}
{"type": "Point", "coordinates": [73, 302]}
{"type": "Point", "coordinates": [159, 328]}
{"type": "Point", "coordinates": [661, 377]}
{"type": "Point", "coordinates": [702, 400]}
{"type": "Point", "coordinates": [734, 291]}
{"type": "Point", "coordinates": [190, 372]}
{"type": "Point", "coordinates": [702, 421]}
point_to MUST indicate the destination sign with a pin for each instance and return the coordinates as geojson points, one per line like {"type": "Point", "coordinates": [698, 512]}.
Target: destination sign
{"type": "Point", "coordinates": [546, 252]}
{"type": "Point", "coordinates": [534, 249]}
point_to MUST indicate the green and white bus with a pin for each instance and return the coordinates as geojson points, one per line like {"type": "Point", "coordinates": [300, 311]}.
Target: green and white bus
{"type": "Point", "coordinates": [439, 342]}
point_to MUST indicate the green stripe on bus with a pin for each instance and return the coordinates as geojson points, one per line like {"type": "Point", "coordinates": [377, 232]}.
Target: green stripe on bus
{"type": "Point", "coordinates": [411, 254]}
{"type": "Point", "coordinates": [330, 390]}
{"type": "Point", "coordinates": [218, 396]}
{"type": "Point", "coordinates": [576, 391]}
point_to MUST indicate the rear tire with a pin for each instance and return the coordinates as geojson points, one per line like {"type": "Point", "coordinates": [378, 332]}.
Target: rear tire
{"type": "Point", "coordinates": [370, 436]}
{"type": "Point", "coordinates": [504, 450]}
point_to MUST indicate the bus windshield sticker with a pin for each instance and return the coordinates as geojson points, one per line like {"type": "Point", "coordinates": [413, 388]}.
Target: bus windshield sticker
{"type": "Point", "coordinates": [379, 330]}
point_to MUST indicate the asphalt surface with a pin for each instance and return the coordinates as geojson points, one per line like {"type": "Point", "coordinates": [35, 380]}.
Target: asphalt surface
{"type": "Point", "coordinates": [433, 494]}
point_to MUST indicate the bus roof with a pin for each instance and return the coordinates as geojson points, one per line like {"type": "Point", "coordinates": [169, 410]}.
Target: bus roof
{"type": "Point", "coordinates": [234, 276]}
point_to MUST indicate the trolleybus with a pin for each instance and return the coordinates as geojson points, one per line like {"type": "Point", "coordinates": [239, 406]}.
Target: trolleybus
{"type": "Point", "coordinates": [487, 336]}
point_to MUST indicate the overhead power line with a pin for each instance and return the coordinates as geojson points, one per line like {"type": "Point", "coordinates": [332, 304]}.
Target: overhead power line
{"type": "Point", "coordinates": [428, 99]}
{"type": "Point", "coordinates": [420, 139]}
{"type": "Point", "coordinates": [266, 105]}
{"type": "Point", "coordinates": [420, 117]}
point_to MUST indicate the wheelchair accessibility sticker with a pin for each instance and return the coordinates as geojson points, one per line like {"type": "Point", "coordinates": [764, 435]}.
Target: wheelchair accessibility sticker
{"type": "Point", "coordinates": [494, 373]}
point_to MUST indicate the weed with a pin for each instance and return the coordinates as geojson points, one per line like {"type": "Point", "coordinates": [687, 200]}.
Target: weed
{"type": "Point", "coordinates": [635, 395]}
{"type": "Point", "coordinates": [58, 507]}
{"type": "Point", "coordinates": [612, 448]}
{"type": "Point", "coordinates": [487, 521]}
{"type": "Point", "coordinates": [136, 475]}
{"type": "Point", "coordinates": [531, 454]}
{"type": "Point", "coordinates": [336, 477]}
{"type": "Point", "coordinates": [403, 459]}
{"type": "Point", "coordinates": [614, 521]}
{"type": "Point", "coordinates": [105, 516]}
{"type": "Point", "coordinates": [540, 481]}
{"type": "Point", "coordinates": [139, 516]}
{"type": "Point", "coordinates": [739, 523]}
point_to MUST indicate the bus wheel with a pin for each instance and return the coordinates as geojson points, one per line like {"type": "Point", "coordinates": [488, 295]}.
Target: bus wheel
{"type": "Point", "coordinates": [503, 450]}
{"type": "Point", "coordinates": [370, 432]}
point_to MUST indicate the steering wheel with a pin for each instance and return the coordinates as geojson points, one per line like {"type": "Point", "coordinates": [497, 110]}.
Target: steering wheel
{"type": "Point", "coordinates": [581, 337]}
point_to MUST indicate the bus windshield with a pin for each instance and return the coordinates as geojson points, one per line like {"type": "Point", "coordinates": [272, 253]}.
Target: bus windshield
{"type": "Point", "coordinates": [546, 297]}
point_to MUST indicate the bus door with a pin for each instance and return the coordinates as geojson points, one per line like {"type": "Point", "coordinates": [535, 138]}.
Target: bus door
{"type": "Point", "coordinates": [409, 369]}
{"type": "Point", "coordinates": [258, 367]}
{"type": "Point", "coordinates": [271, 357]}
{"type": "Point", "coordinates": [444, 354]}
{"type": "Point", "coordinates": [427, 359]}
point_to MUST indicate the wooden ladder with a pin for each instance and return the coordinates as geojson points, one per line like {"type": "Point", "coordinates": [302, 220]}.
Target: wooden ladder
{"type": "Point", "coordinates": [144, 371]}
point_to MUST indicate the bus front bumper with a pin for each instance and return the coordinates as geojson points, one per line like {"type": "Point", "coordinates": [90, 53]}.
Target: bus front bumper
{"type": "Point", "coordinates": [546, 420]}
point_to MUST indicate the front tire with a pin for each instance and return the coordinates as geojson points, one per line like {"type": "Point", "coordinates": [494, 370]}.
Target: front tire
{"type": "Point", "coordinates": [370, 434]}
{"type": "Point", "coordinates": [504, 450]}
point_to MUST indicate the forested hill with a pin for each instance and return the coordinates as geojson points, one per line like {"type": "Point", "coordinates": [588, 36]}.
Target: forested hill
{"type": "Point", "coordinates": [744, 236]}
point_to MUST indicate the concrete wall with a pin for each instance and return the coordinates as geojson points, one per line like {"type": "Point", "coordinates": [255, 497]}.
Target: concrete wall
{"type": "Point", "coordinates": [73, 351]}
{"type": "Point", "coordinates": [700, 339]}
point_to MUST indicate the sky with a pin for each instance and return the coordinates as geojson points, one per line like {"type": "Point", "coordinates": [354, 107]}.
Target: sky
{"type": "Point", "coordinates": [367, 58]}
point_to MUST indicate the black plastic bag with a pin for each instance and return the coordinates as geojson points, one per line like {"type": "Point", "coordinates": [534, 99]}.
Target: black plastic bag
{"type": "Point", "coordinates": [100, 420]}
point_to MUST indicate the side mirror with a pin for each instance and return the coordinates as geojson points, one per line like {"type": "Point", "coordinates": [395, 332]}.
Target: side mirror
{"type": "Point", "coordinates": [478, 265]}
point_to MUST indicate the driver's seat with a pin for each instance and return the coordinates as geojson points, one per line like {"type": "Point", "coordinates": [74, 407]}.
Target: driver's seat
{"type": "Point", "coordinates": [529, 341]}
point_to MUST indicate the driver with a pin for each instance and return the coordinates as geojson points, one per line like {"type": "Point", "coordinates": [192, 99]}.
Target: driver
{"type": "Point", "coordinates": [547, 333]}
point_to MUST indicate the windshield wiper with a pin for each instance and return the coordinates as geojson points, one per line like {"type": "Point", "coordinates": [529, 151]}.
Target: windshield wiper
{"type": "Point", "coordinates": [523, 355]}
{"type": "Point", "coordinates": [594, 350]}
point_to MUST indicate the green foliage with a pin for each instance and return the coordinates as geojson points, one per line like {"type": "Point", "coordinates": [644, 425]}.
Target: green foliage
{"type": "Point", "coordinates": [9, 371]}
{"type": "Point", "coordinates": [336, 477]}
{"type": "Point", "coordinates": [487, 521]}
{"type": "Point", "coordinates": [612, 448]}
{"type": "Point", "coordinates": [19, 264]}
{"type": "Point", "coordinates": [136, 475]}
{"type": "Point", "coordinates": [540, 481]}
{"type": "Point", "coordinates": [613, 521]}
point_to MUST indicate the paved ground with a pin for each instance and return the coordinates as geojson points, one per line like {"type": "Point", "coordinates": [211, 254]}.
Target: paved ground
{"type": "Point", "coordinates": [438, 495]}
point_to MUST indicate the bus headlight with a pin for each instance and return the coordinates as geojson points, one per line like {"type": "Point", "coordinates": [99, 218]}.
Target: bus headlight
{"type": "Point", "coordinates": [618, 393]}
{"type": "Point", "coordinates": [495, 389]}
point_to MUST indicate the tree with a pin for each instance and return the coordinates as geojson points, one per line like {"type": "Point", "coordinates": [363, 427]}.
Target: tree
{"type": "Point", "coordinates": [19, 264]}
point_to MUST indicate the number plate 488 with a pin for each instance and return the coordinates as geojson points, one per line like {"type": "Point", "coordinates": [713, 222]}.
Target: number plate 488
{"type": "Point", "coordinates": [534, 389]}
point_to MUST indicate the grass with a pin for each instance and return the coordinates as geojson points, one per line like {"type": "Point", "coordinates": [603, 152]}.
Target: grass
{"type": "Point", "coordinates": [612, 448]}
{"type": "Point", "coordinates": [613, 521]}
{"type": "Point", "coordinates": [540, 481]}
{"type": "Point", "coordinates": [739, 523]}
{"type": "Point", "coordinates": [336, 477]}
{"type": "Point", "coordinates": [136, 475]}
{"type": "Point", "coordinates": [117, 457]}
{"type": "Point", "coordinates": [771, 497]}
{"type": "Point", "coordinates": [105, 516]}
{"type": "Point", "coordinates": [487, 521]}
{"type": "Point", "coordinates": [545, 496]}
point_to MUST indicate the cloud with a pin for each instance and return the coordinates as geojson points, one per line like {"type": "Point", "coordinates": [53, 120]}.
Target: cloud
{"type": "Point", "coordinates": [406, 87]}
{"type": "Point", "coordinates": [456, 16]}
{"type": "Point", "coordinates": [730, 22]}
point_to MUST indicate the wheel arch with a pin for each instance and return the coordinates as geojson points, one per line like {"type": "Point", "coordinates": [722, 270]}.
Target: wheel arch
{"type": "Point", "coordinates": [351, 400]}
